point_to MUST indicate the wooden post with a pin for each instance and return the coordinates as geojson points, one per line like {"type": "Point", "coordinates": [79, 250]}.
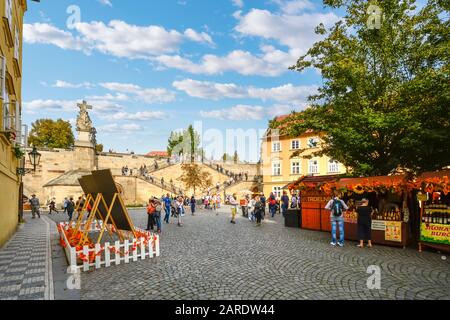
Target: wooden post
{"type": "Point", "coordinates": [126, 251]}
{"type": "Point", "coordinates": [142, 248]}
{"type": "Point", "coordinates": [107, 255]}
{"type": "Point", "coordinates": [105, 223]}
{"type": "Point", "coordinates": [86, 256]}
{"type": "Point", "coordinates": [97, 256]}
{"type": "Point", "coordinates": [117, 253]}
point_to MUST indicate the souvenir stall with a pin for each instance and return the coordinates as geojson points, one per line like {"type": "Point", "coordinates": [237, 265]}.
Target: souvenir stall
{"type": "Point", "coordinates": [393, 199]}
{"type": "Point", "coordinates": [434, 199]}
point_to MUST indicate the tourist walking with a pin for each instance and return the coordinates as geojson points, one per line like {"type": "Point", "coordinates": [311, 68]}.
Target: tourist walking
{"type": "Point", "coordinates": [263, 200]}
{"type": "Point", "coordinates": [258, 210]}
{"type": "Point", "coordinates": [167, 207]}
{"type": "Point", "coordinates": [364, 223]}
{"type": "Point", "coordinates": [234, 204]}
{"type": "Point", "coordinates": [337, 208]}
{"type": "Point", "coordinates": [157, 214]}
{"type": "Point", "coordinates": [192, 203]}
{"type": "Point", "coordinates": [65, 204]}
{"type": "Point", "coordinates": [244, 205]}
{"type": "Point", "coordinates": [284, 202]}
{"type": "Point", "coordinates": [35, 205]}
{"type": "Point", "coordinates": [272, 204]}
{"type": "Point", "coordinates": [180, 210]}
{"type": "Point", "coordinates": [70, 208]}
{"type": "Point", "coordinates": [151, 208]}
{"type": "Point", "coordinates": [52, 206]}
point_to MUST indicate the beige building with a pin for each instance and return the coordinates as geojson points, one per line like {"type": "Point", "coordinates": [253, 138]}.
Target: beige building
{"type": "Point", "coordinates": [283, 159]}
{"type": "Point", "coordinates": [11, 13]}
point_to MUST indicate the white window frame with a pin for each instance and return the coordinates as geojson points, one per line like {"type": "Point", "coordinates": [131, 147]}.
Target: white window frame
{"type": "Point", "coordinates": [276, 168]}
{"type": "Point", "coordinates": [2, 77]}
{"type": "Point", "coordinates": [313, 166]}
{"type": "Point", "coordinates": [276, 143]}
{"type": "Point", "coordinates": [295, 144]}
{"type": "Point", "coordinates": [296, 167]}
{"type": "Point", "coordinates": [6, 116]}
{"type": "Point", "coordinates": [333, 166]}
{"type": "Point", "coordinates": [277, 191]}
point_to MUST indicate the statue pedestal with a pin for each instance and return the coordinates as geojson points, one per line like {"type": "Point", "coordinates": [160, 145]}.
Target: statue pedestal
{"type": "Point", "coordinates": [84, 152]}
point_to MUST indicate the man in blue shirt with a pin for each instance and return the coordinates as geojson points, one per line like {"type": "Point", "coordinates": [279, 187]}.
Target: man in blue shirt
{"type": "Point", "coordinates": [284, 202]}
{"type": "Point", "coordinates": [167, 207]}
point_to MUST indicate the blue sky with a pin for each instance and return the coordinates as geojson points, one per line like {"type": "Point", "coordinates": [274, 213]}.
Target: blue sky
{"type": "Point", "coordinates": [150, 67]}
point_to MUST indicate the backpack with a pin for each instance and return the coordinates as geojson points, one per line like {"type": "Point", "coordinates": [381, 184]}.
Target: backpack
{"type": "Point", "coordinates": [337, 208]}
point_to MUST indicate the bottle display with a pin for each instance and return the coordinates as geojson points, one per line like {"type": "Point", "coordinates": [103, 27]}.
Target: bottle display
{"type": "Point", "coordinates": [436, 214]}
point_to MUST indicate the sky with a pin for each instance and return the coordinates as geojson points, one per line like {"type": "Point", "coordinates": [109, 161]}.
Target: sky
{"type": "Point", "coordinates": [152, 66]}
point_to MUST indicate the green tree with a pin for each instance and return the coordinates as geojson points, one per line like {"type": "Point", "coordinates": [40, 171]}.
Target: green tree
{"type": "Point", "coordinates": [194, 177]}
{"type": "Point", "coordinates": [99, 147]}
{"type": "Point", "coordinates": [235, 157]}
{"type": "Point", "coordinates": [49, 133]}
{"type": "Point", "coordinates": [186, 143]}
{"type": "Point", "coordinates": [384, 101]}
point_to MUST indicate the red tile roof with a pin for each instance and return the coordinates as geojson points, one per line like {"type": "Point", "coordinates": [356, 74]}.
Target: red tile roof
{"type": "Point", "coordinates": [158, 154]}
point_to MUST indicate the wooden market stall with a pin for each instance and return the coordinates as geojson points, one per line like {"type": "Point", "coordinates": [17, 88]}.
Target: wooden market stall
{"type": "Point", "coordinates": [399, 218]}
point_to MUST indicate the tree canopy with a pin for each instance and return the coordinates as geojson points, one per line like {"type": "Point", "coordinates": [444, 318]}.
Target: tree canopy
{"type": "Point", "coordinates": [194, 177]}
{"type": "Point", "coordinates": [384, 100]}
{"type": "Point", "coordinates": [186, 143]}
{"type": "Point", "coordinates": [48, 133]}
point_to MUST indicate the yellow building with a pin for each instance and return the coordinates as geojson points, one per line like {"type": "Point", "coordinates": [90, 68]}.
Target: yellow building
{"type": "Point", "coordinates": [280, 166]}
{"type": "Point", "coordinates": [11, 12]}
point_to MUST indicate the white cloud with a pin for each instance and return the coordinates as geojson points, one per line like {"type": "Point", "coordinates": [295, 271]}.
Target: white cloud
{"type": "Point", "coordinates": [48, 34]}
{"type": "Point", "coordinates": [116, 38]}
{"type": "Point", "coordinates": [238, 3]}
{"type": "Point", "coordinates": [119, 128]}
{"type": "Point", "coordinates": [249, 112]}
{"type": "Point", "coordinates": [99, 106]}
{"type": "Point", "coordinates": [106, 2]}
{"type": "Point", "coordinates": [68, 85]}
{"type": "Point", "coordinates": [138, 116]}
{"type": "Point", "coordinates": [296, 31]}
{"type": "Point", "coordinates": [215, 91]}
{"type": "Point", "coordinates": [242, 62]}
{"type": "Point", "coordinates": [294, 6]}
{"type": "Point", "coordinates": [198, 37]}
{"type": "Point", "coordinates": [148, 95]}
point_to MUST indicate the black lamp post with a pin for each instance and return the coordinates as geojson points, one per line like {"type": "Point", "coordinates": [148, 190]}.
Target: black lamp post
{"type": "Point", "coordinates": [35, 158]}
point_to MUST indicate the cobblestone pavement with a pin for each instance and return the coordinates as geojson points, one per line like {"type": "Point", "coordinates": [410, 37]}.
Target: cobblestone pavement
{"type": "Point", "coordinates": [209, 258]}
{"type": "Point", "coordinates": [25, 262]}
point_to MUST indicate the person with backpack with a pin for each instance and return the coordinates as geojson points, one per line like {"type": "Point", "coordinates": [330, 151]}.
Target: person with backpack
{"type": "Point", "coordinates": [337, 208]}
{"type": "Point", "coordinates": [151, 208]}
{"type": "Point", "coordinates": [272, 204]}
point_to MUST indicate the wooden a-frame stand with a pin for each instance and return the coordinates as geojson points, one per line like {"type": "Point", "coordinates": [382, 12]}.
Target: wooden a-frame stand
{"type": "Point", "coordinates": [99, 199]}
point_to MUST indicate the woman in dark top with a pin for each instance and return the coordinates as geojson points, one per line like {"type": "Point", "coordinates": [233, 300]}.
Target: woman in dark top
{"type": "Point", "coordinates": [364, 223]}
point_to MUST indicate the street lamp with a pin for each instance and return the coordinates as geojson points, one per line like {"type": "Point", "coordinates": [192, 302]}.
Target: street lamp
{"type": "Point", "coordinates": [35, 158]}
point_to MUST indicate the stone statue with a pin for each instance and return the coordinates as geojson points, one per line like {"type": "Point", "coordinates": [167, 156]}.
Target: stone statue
{"type": "Point", "coordinates": [84, 122]}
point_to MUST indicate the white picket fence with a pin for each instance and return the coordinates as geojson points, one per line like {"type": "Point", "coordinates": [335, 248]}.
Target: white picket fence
{"type": "Point", "coordinates": [109, 254]}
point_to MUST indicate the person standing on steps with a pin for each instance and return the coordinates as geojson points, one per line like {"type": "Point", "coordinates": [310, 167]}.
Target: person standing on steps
{"type": "Point", "coordinates": [35, 205]}
{"type": "Point", "coordinates": [337, 208]}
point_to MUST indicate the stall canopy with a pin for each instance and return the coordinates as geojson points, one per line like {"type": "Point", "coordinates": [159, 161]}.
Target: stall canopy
{"type": "Point", "coordinates": [428, 181]}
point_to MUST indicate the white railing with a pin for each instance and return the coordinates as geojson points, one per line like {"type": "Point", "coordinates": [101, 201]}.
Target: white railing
{"type": "Point", "coordinates": [109, 253]}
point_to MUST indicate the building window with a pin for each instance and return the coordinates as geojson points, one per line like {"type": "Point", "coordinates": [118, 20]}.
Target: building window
{"type": "Point", "coordinates": [276, 169]}
{"type": "Point", "coordinates": [333, 166]}
{"type": "Point", "coordinates": [295, 167]}
{"type": "Point", "coordinates": [313, 142]}
{"type": "Point", "coordinates": [313, 167]}
{"type": "Point", "coordinates": [8, 12]}
{"type": "Point", "coordinates": [276, 146]}
{"type": "Point", "coordinates": [16, 44]}
{"type": "Point", "coordinates": [2, 77]}
{"type": "Point", "coordinates": [277, 191]}
{"type": "Point", "coordinates": [295, 144]}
